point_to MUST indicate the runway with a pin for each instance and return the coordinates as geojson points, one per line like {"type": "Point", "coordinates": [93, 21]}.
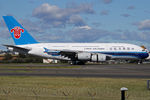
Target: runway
{"type": "Point", "coordinates": [106, 71]}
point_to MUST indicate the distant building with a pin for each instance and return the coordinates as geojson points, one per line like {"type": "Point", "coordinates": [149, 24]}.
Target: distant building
{"type": "Point", "coordinates": [50, 61]}
{"type": "Point", "coordinates": [2, 57]}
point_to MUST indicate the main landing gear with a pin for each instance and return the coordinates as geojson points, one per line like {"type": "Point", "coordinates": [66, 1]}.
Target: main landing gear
{"type": "Point", "coordinates": [140, 62]}
{"type": "Point", "coordinates": [77, 62]}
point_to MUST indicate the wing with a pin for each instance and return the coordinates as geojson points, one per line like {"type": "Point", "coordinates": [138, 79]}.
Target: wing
{"type": "Point", "coordinates": [72, 54]}
{"type": "Point", "coordinates": [68, 53]}
{"type": "Point", "coordinates": [17, 48]}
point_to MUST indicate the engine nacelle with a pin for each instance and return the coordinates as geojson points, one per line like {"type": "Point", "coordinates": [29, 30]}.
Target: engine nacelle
{"type": "Point", "coordinates": [98, 57]}
{"type": "Point", "coordinates": [84, 56]}
{"type": "Point", "coordinates": [92, 57]}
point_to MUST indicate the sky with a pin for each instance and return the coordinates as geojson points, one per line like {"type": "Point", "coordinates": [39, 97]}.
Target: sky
{"type": "Point", "coordinates": [75, 21]}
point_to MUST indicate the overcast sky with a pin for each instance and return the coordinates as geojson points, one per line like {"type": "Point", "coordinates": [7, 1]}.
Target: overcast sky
{"type": "Point", "coordinates": [80, 20]}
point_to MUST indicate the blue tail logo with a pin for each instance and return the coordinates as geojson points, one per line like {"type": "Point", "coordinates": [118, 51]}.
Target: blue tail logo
{"type": "Point", "coordinates": [17, 32]}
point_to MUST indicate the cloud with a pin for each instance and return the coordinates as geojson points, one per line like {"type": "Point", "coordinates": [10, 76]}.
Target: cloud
{"type": "Point", "coordinates": [131, 7]}
{"type": "Point", "coordinates": [84, 27]}
{"type": "Point", "coordinates": [143, 25]}
{"type": "Point", "coordinates": [127, 35]}
{"type": "Point", "coordinates": [107, 1]}
{"type": "Point", "coordinates": [5, 33]}
{"type": "Point", "coordinates": [35, 27]}
{"type": "Point", "coordinates": [2, 23]}
{"type": "Point", "coordinates": [81, 34]}
{"type": "Point", "coordinates": [86, 34]}
{"type": "Point", "coordinates": [104, 12]}
{"type": "Point", "coordinates": [56, 16]}
{"type": "Point", "coordinates": [125, 15]}
{"type": "Point", "coordinates": [76, 20]}
{"type": "Point", "coordinates": [51, 37]}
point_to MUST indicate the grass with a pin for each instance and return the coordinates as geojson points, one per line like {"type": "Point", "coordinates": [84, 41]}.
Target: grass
{"type": "Point", "coordinates": [63, 88]}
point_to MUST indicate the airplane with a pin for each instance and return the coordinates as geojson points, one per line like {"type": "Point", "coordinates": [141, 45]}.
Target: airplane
{"type": "Point", "coordinates": [77, 53]}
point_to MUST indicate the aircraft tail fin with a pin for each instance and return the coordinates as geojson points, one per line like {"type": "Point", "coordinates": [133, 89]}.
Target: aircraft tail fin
{"type": "Point", "coordinates": [18, 33]}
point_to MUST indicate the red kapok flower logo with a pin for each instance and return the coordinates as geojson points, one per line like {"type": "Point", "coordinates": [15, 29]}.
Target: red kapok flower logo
{"type": "Point", "coordinates": [17, 32]}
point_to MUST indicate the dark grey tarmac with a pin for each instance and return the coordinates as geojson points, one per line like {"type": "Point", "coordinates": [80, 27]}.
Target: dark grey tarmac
{"type": "Point", "coordinates": [106, 71]}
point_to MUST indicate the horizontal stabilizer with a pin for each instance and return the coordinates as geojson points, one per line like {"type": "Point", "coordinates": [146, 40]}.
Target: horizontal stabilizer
{"type": "Point", "coordinates": [17, 49]}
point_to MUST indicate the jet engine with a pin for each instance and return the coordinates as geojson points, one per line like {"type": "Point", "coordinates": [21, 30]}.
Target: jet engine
{"type": "Point", "coordinates": [84, 56]}
{"type": "Point", "coordinates": [92, 57]}
{"type": "Point", "coordinates": [98, 57]}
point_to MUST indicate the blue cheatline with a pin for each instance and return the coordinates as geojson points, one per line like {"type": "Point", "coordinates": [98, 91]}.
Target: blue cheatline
{"type": "Point", "coordinates": [18, 33]}
{"type": "Point", "coordinates": [140, 55]}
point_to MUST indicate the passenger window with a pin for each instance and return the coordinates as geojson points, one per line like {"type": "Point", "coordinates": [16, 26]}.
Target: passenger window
{"type": "Point", "coordinates": [110, 48]}
{"type": "Point", "coordinates": [128, 48]}
{"type": "Point", "coordinates": [124, 48]}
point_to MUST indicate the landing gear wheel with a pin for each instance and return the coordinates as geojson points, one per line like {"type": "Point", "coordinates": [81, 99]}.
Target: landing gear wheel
{"type": "Point", "coordinates": [77, 63]}
{"type": "Point", "coordinates": [140, 62]}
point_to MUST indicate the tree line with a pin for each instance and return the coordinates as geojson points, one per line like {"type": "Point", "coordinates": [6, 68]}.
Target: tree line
{"type": "Point", "coordinates": [9, 58]}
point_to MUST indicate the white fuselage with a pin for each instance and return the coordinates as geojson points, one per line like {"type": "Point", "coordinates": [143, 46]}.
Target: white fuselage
{"type": "Point", "coordinates": [115, 50]}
